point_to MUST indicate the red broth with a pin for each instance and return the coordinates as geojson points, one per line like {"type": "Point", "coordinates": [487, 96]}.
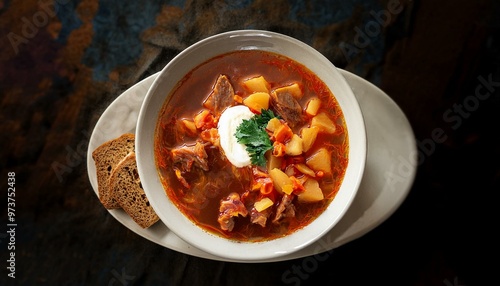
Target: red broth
{"type": "Point", "coordinates": [201, 202]}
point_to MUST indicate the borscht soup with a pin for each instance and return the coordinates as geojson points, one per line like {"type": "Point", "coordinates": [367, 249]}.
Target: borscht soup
{"type": "Point", "coordinates": [251, 146]}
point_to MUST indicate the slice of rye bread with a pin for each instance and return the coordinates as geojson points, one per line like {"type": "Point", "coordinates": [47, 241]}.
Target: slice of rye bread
{"type": "Point", "coordinates": [106, 157]}
{"type": "Point", "coordinates": [127, 188]}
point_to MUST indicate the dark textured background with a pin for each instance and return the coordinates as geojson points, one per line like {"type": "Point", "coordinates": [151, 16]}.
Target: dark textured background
{"type": "Point", "coordinates": [62, 62]}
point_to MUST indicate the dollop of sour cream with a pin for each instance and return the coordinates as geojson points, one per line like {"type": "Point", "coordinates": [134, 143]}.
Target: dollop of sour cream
{"type": "Point", "coordinates": [229, 121]}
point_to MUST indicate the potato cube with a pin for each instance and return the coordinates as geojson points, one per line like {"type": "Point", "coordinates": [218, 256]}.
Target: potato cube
{"type": "Point", "coordinates": [257, 101]}
{"type": "Point", "coordinates": [189, 126]}
{"type": "Point", "coordinates": [280, 180]}
{"type": "Point", "coordinates": [274, 162]}
{"type": "Point", "coordinates": [273, 124]}
{"type": "Point", "coordinates": [257, 84]}
{"type": "Point", "coordinates": [312, 193]}
{"type": "Point", "coordinates": [294, 146]}
{"type": "Point", "coordinates": [309, 135]}
{"type": "Point", "coordinates": [293, 89]}
{"type": "Point", "coordinates": [324, 123]}
{"type": "Point", "coordinates": [287, 189]}
{"type": "Point", "coordinates": [320, 161]}
{"type": "Point", "coordinates": [313, 106]}
{"type": "Point", "coordinates": [263, 204]}
{"type": "Point", "coordinates": [305, 170]}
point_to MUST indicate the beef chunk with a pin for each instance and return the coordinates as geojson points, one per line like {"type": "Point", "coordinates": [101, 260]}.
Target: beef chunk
{"type": "Point", "coordinates": [221, 97]}
{"type": "Point", "coordinates": [260, 218]}
{"type": "Point", "coordinates": [187, 156]}
{"type": "Point", "coordinates": [285, 208]}
{"type": "Point", "coordinates": [287, 107]}
{"type": "Point", "coordinates": [229, 208]}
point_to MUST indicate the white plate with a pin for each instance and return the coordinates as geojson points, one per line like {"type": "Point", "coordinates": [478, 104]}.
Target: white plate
{"type": "Point", "coordinates": [389, 172]}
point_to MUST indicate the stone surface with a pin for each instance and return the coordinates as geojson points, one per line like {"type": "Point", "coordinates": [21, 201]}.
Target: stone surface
{"type": "Point", "coordinates": [63, 62]}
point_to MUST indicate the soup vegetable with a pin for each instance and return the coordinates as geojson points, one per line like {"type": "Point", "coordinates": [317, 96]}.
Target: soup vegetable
{"type": "Point", "coordinates": [251, 146]}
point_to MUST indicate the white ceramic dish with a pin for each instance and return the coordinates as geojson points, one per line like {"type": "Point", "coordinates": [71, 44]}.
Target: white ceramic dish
{"type": "Point", "coordinates": [221, 44]}
{"type": "Point", "coordinates": [389, 172]}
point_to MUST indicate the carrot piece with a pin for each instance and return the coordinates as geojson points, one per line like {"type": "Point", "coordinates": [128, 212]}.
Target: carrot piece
{"type": "Point", "coordinates": [279, 149]}
{"type": "Point", "coordinates": [282, 133]}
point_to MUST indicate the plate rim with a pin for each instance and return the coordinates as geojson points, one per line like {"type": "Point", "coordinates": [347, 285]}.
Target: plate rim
{"type": "Point", "coordinates": [151, 233]}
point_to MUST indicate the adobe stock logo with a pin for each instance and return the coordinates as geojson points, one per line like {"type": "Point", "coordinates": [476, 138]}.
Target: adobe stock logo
{"type": "Point", "coordinates": [299, 273]}
{"type": "Point", "coordinates": [30, 27]}
{"type": "Point", "coordinates": [371, 30]}
{"type": "Point", "coordinates": [455, 116]}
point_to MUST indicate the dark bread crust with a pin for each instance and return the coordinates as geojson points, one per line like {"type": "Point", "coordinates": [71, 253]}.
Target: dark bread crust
{"type": "Point", "coordinates": [106, 157]}
{"type": "Point", "coordinates": [126, 186]}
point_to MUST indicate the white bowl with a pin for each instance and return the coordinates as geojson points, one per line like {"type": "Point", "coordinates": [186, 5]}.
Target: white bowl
{"type": "Point", "coordinates": [206, 49]}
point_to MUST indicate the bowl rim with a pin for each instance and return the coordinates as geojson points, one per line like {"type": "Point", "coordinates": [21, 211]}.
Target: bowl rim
{"type": "Point", "coordinates": [211, 243]}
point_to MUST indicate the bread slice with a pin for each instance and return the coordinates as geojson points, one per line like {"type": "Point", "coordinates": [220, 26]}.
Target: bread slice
{"type": "Point", "coordinates": [106, 157]}
{"type": "Point", "coordinates": [127, 188]}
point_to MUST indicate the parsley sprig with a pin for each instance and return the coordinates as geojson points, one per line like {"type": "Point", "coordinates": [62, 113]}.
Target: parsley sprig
{"type": "Point", "coordinates": [252, 133]}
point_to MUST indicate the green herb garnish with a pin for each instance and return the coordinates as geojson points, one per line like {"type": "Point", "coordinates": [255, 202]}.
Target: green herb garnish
{"type": "Point", "coordinates": [252, 133]}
